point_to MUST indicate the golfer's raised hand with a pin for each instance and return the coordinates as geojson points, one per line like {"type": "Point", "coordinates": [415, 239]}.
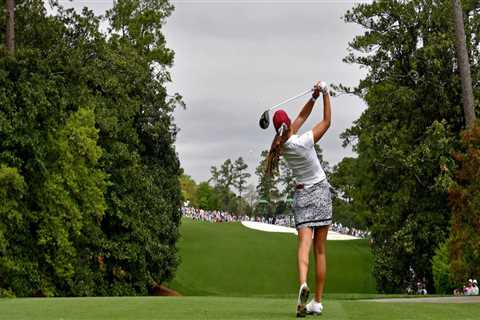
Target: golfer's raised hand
{"type": "Point", "coordinates": [316, 90]}
{"type": "Point", "coordinates": [323, 86]}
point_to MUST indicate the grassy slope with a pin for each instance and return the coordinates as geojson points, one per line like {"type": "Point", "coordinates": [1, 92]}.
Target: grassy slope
{"type": "Point", "coordinates": [150, 308]}
{"type": "Point", "coordinates": [263, 264]}
{"type": "Point", "coordinates": [231, 260]}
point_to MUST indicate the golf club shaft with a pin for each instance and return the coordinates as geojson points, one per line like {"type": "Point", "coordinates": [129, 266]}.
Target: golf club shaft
{"type": "Point", "coordinates": [290, 99]}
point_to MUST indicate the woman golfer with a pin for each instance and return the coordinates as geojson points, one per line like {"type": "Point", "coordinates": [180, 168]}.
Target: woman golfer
{"type": "Point", "coordinates": [312, 199]}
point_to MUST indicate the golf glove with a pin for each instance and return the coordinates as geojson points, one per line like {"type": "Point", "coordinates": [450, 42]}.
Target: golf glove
{"type": "Point", "coordinates": [323, 86]}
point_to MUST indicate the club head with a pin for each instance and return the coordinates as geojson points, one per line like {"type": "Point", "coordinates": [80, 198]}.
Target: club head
{"type": "Point", "coordinates": [264, 120]}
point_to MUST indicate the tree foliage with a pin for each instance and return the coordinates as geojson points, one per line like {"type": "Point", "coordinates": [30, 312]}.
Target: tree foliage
{"type": "Point", "coordinates": [349, 207]}
{"type": "Point", "coordinates": [442, 277]}
{"type": "Point", "coordinates": [240, 175]}
{"type": "Point", "coordinates": [404, 138]}
{"type": "Point", "coordinates": [231, 174]}
{"type": "Point", "coordinates": [267, 187]}
{"type": "Point", "coordinates": [286, 180]}
{"type": "Point", "coordinates": [208, 198]}
{"type": "Point", "coordinates": [464, 196]}
{"type": "Point", "coordinates": [91, 198]}
{"type": "Point", "coordinates": [189, 190]}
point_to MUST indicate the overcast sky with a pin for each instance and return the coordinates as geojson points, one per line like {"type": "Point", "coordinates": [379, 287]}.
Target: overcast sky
{"type": "Point", "coordinates": [233, 59]}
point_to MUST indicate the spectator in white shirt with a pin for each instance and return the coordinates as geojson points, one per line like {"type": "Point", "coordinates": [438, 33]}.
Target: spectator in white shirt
{"type": "Point", "coordinates": [467, 290]}
{"type": "Point", "coordinates": [474, 290]}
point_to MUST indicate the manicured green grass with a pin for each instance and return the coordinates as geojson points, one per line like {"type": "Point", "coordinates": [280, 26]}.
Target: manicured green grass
{"type": "Point", "coordinates": [259, 269]}
{"type": "Point", "coordinates": [230, 260]}
{"type": "Point", "coordinates": [151, 308]}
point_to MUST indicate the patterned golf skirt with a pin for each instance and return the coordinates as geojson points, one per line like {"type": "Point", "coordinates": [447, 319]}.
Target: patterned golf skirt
{"type": "Point", "coordinates": [313, 206]}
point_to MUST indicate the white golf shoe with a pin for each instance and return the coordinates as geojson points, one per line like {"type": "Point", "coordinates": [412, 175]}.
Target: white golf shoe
{"type": "Point", "coordinates": [302, 301]}
{"type": "Point", "coordinates": [314, 308]}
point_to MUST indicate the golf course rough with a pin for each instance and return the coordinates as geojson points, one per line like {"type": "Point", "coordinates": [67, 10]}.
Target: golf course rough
{"type": "Point", "coordinates": [227, 259]}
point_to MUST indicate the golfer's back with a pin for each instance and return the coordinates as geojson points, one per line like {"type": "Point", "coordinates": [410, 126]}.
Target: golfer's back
{"type": "Point", "coordinates": [299, 152]}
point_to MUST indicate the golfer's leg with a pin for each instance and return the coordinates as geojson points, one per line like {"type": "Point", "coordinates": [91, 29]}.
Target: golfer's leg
{"type": "Point", "coordinates": [304, 244]}
{"type": "Point", "coordinates": [319, 240]}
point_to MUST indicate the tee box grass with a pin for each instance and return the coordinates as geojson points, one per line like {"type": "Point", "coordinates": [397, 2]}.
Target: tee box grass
{"type": "Point", "coordinates": [237, 273]}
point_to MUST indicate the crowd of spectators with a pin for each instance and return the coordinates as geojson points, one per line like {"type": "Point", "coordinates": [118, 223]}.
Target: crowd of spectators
{"type": "Point", "coordinates": [211, 216]}
{"type": "Point", "coordinates": [282, 220]}
{"type": "Point", "coordinates": [471, 289]}
{"type": "Point", "coordinates": [337, 227]}
{"type": "Point", "coordinates": [222, 216]}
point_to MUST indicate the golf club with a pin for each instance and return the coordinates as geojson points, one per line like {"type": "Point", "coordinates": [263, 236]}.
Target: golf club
{"type": "Point", "coordinates": [265, 117]}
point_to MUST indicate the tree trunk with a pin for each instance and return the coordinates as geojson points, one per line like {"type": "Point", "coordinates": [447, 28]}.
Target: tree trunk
{"type": "Point", "coordinates": [10, 32]}
{"type": "Point", "coordinates": [463, 64]}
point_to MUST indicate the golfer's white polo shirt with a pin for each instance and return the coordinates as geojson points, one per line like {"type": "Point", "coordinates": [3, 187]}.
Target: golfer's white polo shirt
{"type": "Point", "coordinates": [299, 152]}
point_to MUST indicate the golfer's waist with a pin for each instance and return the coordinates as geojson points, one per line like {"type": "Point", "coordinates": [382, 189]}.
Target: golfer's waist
{"type": "Point", "coordinates": [308, 185]}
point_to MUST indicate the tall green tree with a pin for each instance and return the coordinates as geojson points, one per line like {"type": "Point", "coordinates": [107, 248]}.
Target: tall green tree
{"type": "Point", "coordinates": [138, 135]}
{"type": "Point", "coordinates": [223, 179]}
{"type": "Point", "coordinates": [227, 174]}
{"type": "Point", "coordinates": [49, 140]}
{"type": "Point", "coordinates": [405, 136]}
{"type": "Point", "coordinates": [267, 187]}
{"type": "Point", "coordinates": [240, 175]}
{"type": "Point", "coordinates": [348, 205]}
{"type": "Point", "coordinates": [224, 176]}
{"type": "Point", "coordinates": [215, 173]}
{"type": "Point", "coordinates": [286, 180]}
{"type": "Point", "coordinates": [87, 154]}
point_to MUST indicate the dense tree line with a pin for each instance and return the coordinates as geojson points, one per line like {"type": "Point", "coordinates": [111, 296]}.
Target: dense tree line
{"type": "Point", "coordinates": [218, 193]}
{"type": "Point", "coordinates": [405, 139]}
{"type": "Point", "coordinates": [89, 190]}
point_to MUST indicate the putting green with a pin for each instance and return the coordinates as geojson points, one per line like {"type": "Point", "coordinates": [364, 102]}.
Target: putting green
{"type": "Point", "coordinates": [151, 308]}
{"type": "Point", "coordinates": [227, 259]}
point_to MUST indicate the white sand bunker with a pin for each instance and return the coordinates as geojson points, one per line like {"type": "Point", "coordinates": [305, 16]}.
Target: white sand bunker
{"type": "Point", "coordinates": [332, 235]}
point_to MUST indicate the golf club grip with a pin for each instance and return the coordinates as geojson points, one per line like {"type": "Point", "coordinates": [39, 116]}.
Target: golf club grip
{"type": "Point", "coordinates": [291, 99]}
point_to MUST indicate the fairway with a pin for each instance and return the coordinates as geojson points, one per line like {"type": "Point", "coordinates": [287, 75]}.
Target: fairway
{"type": "Point", "coordinates": [227, 259]}
{"type": "Point", "coordinates": [152, 308]}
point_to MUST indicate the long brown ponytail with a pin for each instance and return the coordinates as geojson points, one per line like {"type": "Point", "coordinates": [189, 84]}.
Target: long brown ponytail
{"type": "Point", "coordinates": [275, 151]}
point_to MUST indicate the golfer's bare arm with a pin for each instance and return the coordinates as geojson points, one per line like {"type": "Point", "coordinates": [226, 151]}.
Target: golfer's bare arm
{"type": "Point", "coordinates": [306, 110]}
{"type": "Point", "coordinates": [303, 115]}
{"type": "Point", "coordinates": [320, 128]}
